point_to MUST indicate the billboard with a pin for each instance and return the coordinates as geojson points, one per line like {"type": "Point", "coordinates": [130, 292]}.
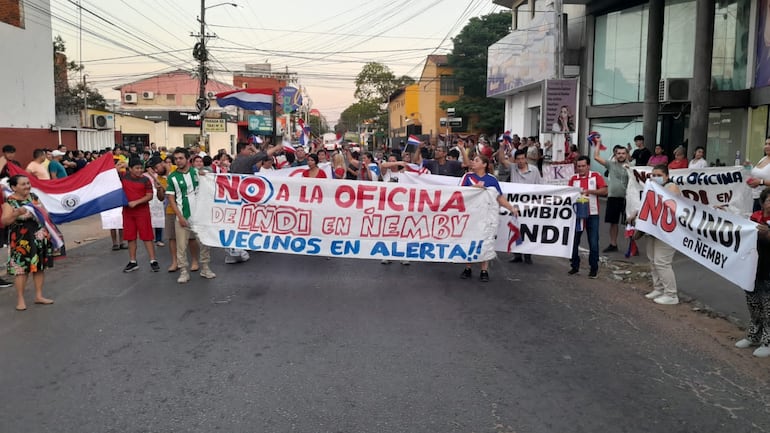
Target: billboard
{"type": "Point", "coordinates": [525, 56]}
{"type": "Point", "coordinates": [559, 106]}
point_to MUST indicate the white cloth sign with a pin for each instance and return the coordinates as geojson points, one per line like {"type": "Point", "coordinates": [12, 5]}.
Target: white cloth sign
{"type": "Point", "coordinates": [715, 186]}
{"type": "Point", "coordinates": [339, 218]}
{"type": "Point", "coordinates": [546, 221]}
{"type": "Point", "coordinates": [721, 241]}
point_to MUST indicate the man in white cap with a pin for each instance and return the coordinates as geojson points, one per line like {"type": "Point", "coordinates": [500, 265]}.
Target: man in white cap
{"type": "Point", "coordinates": [55, 167]}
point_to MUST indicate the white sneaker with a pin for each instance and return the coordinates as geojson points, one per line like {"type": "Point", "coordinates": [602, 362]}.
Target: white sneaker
{"type": "Point", "coordinates": [245, 256]}
{"type": "Point", "coordinates": [184, 276]}
{"type": "Point", "coordinates": [385, 262]}
{"type": "Point", "coordinates": [744, 343]}
{"type": "Point", "coordinates": [229, 260]}
{"type": "Point", "coordinates": [405, 263]}
{"type": "Point", "coordinates": [666, 300]}
{"type": "Point", "coordinates": [762, 352]}
{"type": "Point", "coordinates": [654, 294]}
{"type": "Point", "coordinates": [207, 273]}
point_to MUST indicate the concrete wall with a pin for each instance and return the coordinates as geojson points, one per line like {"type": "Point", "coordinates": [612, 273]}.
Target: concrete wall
{"type": "Point", "coordinates": [26, 79]}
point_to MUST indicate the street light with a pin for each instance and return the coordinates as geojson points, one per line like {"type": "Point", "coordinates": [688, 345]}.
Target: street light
{"type": "Point", "coordinates": [200, 53]}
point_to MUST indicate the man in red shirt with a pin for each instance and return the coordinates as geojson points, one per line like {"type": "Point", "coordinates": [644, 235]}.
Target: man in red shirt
{"type": "Point", "coordinates": [591, 186]}
{"type": "Point", "coordinates": [136, 215]}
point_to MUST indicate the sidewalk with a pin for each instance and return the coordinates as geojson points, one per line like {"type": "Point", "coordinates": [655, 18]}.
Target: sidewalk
{"type": "Point", "coordinates": [707, 290]}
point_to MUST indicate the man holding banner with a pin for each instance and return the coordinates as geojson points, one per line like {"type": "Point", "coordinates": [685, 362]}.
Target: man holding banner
{"type": "Point", "coordinates": [591, 186]}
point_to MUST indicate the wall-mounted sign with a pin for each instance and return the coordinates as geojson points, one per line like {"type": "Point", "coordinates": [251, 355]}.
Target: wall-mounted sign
{"type": "Point", "coordinates": [261, 124]}
{"type": "Point", "coordinates": [215, 125]}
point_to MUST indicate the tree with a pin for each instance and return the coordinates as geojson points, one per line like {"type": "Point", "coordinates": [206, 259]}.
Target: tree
{"type": "Point", "coordinates": [356, 114]}
{"type": "Point", "coordinates": [318, 125]}
{"type": "Point", "coordinates": [468, 60]}
{"type": "Point", "coordinates": [376, 82]}
{"type": "Point", "coordinates": [69, 99]}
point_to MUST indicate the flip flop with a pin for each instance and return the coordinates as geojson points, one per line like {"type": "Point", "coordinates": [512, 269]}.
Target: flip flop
{"type": "Point", "coordinates": [47, 302]}
{"type": "Point", "coordinates": [21, 309]}
{"type": "Point", "coordinates": [172, 270]}
{"type": "Point", "coordinates": [195, 269]}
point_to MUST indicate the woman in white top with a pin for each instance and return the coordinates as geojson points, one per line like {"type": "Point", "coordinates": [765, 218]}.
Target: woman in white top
{"type": "Point", "coordinates": [760, 176]}
{"type": "Point", "coordinates": [699, 158]}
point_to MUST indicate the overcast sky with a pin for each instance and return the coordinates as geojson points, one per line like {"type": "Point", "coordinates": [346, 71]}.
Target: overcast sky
{"type": "Point", "coordinates": [325, 42]}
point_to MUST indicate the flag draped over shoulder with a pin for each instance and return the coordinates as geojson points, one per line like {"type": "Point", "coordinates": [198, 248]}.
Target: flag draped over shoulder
{"type": "Point", "coordinates": [92, 189]}
{"type": "Point", "coordinates": [248, 99]}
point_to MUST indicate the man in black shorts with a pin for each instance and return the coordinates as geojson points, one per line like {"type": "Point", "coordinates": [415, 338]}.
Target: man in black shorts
{"type": "Point", "coordinates": [616, 191]}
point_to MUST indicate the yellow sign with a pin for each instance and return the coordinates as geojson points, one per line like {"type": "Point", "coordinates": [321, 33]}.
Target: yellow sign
{"type": "Point", "coordinates": [215, 125]}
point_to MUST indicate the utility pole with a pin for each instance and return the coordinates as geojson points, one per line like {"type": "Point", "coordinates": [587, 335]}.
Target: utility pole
{"type": "Point", "coordinates": [85, 103]}
{"type": "Point", "coordinates": [202, 103]}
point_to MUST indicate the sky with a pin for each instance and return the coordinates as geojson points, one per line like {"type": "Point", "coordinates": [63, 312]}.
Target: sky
{"type": "Point", "coordinates": [326, 43]}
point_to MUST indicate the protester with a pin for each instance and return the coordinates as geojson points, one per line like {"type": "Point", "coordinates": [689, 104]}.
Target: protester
{"type": "Point", "coordinates": [522, 172]}
{"type": "Point", "coordinates": [658, 158]}
{"type": "Point", "coordinates": [37, 167]}
{"type": "Point", "coordinates": [591, 186]}
{"type": "Point", "coordinates": [641, 155]}
{"type": "Point", "coordinates": [9, 153]}
{"type": "Point", "coordinates": [155, 169]}
{"type": "Point", "coordinates": [339, 168]}
{"type": "Point", "coordinates": [443, 166]}
{"type": "Point", "coordinates": [55, 168]}
{"type": "Point", "coordinates": [136, 214]}
{"type": "Point", "coordinates": [760, 176]}
{"type": "Point", "coordinates": [758, 301]}
{"type": "Point", "coordinates": [680, 159]}
{"type": "Point", "coordinates": [30, 249]}
{"type": "Point", "coordinates": [699, 158]}
{"type": "Point", "coordinates": [312, 168]}
{"type": "Point", "coordinates": [660, 253]}
{"type": "Point", "coordinates": [479, 177]}
{"type": "Point", "coordinates": [615, 214]}
{"type": "Point", "coordinates": [182, 186]}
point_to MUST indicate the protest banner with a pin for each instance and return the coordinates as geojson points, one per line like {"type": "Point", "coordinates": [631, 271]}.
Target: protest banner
{"type": "Point", "coordinates": [546, 221]}
{"type": "Point", "coordinates": [723, 187]}
{"type": "Point", "coordinates": [723, 242]}
{"type": "Point", "coordinates": [340, 218]}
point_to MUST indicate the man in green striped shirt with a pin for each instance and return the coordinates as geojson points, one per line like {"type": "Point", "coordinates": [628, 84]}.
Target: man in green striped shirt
{"type": "Point", "coordinates": [182, 190]}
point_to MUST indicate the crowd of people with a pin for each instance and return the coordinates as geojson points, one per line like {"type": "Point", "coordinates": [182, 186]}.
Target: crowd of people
{"type": "Point", "coordinates": [159, 185]}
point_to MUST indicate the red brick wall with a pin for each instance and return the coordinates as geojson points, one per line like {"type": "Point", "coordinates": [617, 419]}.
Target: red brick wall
{"type": "Point", "coordinates": [27, 140]}
{"type": "Point", "coordinates": [10, 12]}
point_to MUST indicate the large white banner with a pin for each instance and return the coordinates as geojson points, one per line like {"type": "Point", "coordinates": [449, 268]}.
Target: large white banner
{"type": "Point", "coordinates": [723, 242]}
{"type": "Point", "coordinates": [546, 222]}
{"type": "Point", "coordinates": [723, 187]}
{"type": "Point", "coordinates": [339, 218]}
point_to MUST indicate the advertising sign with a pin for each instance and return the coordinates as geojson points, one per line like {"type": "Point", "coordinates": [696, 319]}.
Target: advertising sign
{"type": "Point", "coordinates": [560, 106]}
{"type": "Point", "coordinates": [261, 124]}
{"type": "Point", "coordinates": [215, 125]}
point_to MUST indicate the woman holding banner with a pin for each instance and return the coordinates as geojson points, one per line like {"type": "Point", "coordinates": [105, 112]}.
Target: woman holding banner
{"type": "Point", "coordinates": [660, 253]}
{"type": "Point", "coordinates": [479, 177]}
{"type": "Point", "coordinates": [30, 248]}
{"type": "Point", "coordinates": [758, 301]}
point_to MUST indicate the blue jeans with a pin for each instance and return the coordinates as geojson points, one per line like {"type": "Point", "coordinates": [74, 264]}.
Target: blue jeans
{"type": "Point", "coordinates": [592, 227]}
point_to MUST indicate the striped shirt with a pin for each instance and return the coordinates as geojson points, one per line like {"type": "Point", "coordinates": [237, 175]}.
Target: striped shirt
{"type": "Point", "coordinates": [183, 187]}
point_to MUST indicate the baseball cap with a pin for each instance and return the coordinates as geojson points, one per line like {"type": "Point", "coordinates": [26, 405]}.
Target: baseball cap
{"type": "Point", "coordinates": [58, 153]}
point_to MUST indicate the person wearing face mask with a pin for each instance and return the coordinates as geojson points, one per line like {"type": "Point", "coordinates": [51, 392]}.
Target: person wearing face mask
{"type": "Point", "coordinates": [660, 253]}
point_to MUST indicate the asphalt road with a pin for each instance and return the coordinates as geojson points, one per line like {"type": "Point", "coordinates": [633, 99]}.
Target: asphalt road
{"type": "Point", "coordinates": [304, 344]}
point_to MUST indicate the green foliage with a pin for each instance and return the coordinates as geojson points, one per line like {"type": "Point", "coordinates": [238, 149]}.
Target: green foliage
{"type": "Point", "coordinates": [468, 60]}
{"type": "Point", "coordinates": [70, 99]}
{"type": "Point", "coordinates": [318, 125]}
{"type": "Point", "coordinates": [357, 114]}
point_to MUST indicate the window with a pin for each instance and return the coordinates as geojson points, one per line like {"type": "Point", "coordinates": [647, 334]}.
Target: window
{"type": "Point", "coordinates": [621, 44]}
{"type": "Point", "coordinates": [171, 97]}
{"type": "Point", "coordinates": [448, 85]}
{"type": "Point", "coordinates": [12, 12]}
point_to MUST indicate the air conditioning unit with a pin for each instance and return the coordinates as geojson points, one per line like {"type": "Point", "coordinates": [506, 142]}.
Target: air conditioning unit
{"type": "Point", "coordinates": [674, 90]}
{"type": "Point", "coordinates": [148, 95]}
{"type": "Point", "coordinates": [129, 98]}
{"type": "Point", "coordinates": [103, 121]}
